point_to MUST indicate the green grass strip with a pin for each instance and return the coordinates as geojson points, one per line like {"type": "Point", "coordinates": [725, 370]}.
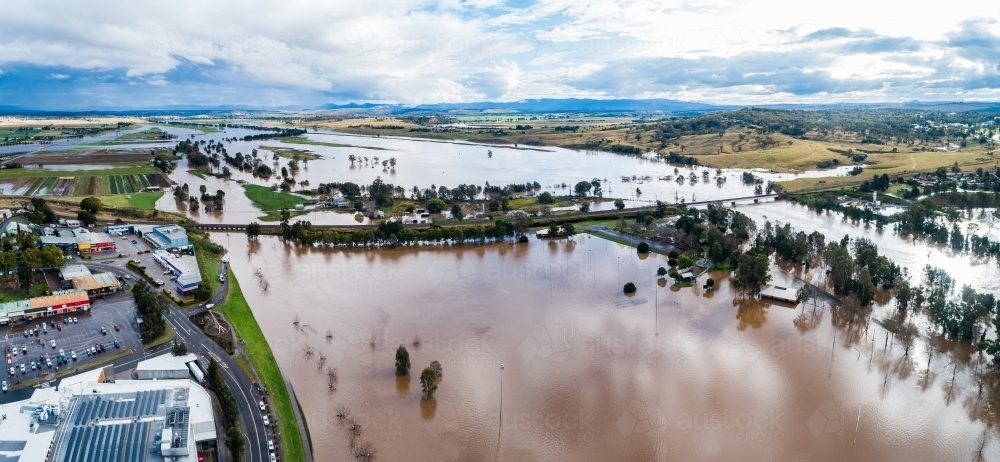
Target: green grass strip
{"type": "Point", "coordinates": [238, 312]}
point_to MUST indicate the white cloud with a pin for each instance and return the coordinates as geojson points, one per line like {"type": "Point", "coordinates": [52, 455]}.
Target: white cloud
{"type": "Point", "coordinates": [416, 51]}
{"type": "Point", "coordinates": [58, 76]}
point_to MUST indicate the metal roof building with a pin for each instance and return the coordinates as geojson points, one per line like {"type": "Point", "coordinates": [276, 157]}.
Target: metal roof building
{"type": "Point", "coordinates": [69, 272]}
{"type": "Point", "coordinates": [165, 367]}
{"type": "Point", "coordinates": [783, 294]}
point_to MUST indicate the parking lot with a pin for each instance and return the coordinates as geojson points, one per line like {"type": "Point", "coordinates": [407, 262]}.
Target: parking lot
{"type": "Point", "coordinates": [76, 337]}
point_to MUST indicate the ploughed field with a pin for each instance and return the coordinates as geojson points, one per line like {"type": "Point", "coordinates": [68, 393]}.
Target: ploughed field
{"type": "Point", "coordinates": [91, 185]}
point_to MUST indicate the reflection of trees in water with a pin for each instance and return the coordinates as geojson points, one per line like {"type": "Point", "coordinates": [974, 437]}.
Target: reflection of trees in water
{"type": "Point", "coordinates": [428, 407]}
{"type": "Point", "coordinates": [750, 312]}
{"type": "Point", "coordinates": [808, 319]}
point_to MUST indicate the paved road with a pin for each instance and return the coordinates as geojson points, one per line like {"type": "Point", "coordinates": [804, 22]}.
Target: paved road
{"type": "Point", "coordinates": [255, 433]}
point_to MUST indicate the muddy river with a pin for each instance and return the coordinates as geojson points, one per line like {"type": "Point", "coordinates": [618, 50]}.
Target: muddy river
{"type": "Point", "coordinates": [590, 374]}
{"type": "Point", "coordinates": [426, 163]}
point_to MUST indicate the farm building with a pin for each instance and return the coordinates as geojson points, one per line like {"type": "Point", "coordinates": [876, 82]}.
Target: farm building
{"type": "Point", "coordinates": [782, 294]}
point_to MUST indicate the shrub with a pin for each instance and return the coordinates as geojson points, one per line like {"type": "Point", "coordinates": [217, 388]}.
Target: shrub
{"type": "Point", "coordinates": [673, 254]}
{"type": "Point", "coordinates": [661, 271]}
{"type": "Point", "coordinates": [546, 198]}
{"type": "Point", "coordinates": [710, 282]}
{"type": "Point", "coordinates": [523, 239]}
{"type": "Point", "coordinates": [643, 247]}
{"type": "Point", "coordinates": [629, 288]}
{"type": "Point", "coordinates": [672, 262]}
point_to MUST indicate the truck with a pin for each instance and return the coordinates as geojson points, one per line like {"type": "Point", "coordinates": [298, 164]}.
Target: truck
{"type": "Point", "coordinates": [196, 371]}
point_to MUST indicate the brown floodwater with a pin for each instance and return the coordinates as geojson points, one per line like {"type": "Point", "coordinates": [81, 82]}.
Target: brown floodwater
{"type": "Point", "coordinates": [592, 375]}
{"type": "Point", "coordinates": [426, 163]}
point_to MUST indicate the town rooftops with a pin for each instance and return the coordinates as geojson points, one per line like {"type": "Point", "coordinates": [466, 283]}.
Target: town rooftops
{"type": "Point", "coordinates": [95, 282]}
{"type": "Point", "coordinates": [93, 238]}
{"type": "Point", "coordinates": [59, 300]}
{"type": "Point", "coordinates": [73, 270]}
{"type": "Point", "coordinates": [166, 362]}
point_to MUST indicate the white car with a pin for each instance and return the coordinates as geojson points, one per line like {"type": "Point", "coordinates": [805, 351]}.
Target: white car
{"type": "Point", "coordinates": [72, 354]}
{"type": "Point", "coordinates": [53, 343]}
{"type": "Point", "coordinates": [266, 421]}
{"type": "Point", "coordinates": [270, 445]}
{"type": "Point", "coordinates": [210, 306]}
{"type": "Point", "coordinates": [272, 457]}
{"type": "Point", "coordinates": [260, 404]}
{"type": "Point", "coordinates": [61, 352]}
{"type": "Point", "coordinates": [4, 386]}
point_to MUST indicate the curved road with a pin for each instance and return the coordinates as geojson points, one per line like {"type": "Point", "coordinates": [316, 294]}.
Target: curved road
{"type": "Point", "coordinates": [256, 434]}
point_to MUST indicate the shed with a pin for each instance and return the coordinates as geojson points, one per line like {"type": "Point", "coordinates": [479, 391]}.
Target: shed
{"type": "Point", "coordinates": [782, 294]}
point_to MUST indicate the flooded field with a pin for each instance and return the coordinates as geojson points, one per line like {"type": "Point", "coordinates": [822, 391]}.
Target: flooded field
{"type": "Point", "coordinates": [424, 163]}
{"type": "Point", "coordinates": [590, 374]}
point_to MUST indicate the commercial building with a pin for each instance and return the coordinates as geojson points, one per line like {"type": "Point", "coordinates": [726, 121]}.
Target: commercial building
{"type": "Point", "coordinates": [71, 271]}
{"type": "Point", "coordinates": [187, 276]}
{"type": "Point", "coordinates": [164, 237]}
{"type": "Point", "coordinates": [49, 305]}
{"type": "Point", "coordinates": [95, 284]}
{"type": "Point", "coordinates": [95, 242]}
{"type": "Point", "coordinates": [85, 419]}
{"type": "Point", "coordinates": [165, 367]}
{"type": "Point", "coordinates": [118, 230]}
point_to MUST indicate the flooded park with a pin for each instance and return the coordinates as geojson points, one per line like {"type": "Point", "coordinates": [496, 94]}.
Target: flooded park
{"type": "Point", "coordinates": [591, 374]}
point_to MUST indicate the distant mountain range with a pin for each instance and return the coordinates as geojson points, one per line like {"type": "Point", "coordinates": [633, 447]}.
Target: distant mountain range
{"type": "Point", "coordinates": [653, 107]}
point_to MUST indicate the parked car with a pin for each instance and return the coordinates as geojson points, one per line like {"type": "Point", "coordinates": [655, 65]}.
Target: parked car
{"type": "Point", "coordinates": [260, 404]}
{"type": "Point", "coordinates": [270, 445]}
{"type": "Point", "coordinates": [266, 420]}
{"type": "Point", "coordinates": [52, 343]}
{"type": "Point", "coordinates": [93, 350]}
{"type": "Point", "coordinates": [104, 331]}
{"type": "Point", "coordinates": [3, 385]}
{"type": "Point", "coordinates": [75, 320]}
{"type": "Point", "coordinates": [48, 363]}
{"type": "Point", "coordinates": [23, 370]}
{"type": "Point", "coordinates": [58, 326]}
{"type": "Point", "coordinates": [72, 354]}
{"type": "Point", "coordinates": [12, 370]}
{"type": "Point", "coordinates": [210, 306]}
{"type": "Point", "coordinates": [61, 352]}
{"type": "Point", "coordinates": [117, 328]}
{"type": "Point", "coordinates": [117, 345]}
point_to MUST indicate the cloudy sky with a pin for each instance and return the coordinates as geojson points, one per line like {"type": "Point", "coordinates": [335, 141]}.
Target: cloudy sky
{"type": "Point", "coordinates": [123, 54]}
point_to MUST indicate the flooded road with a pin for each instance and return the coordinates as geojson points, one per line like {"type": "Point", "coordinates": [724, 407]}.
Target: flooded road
{"type": "Point", "coordinates": [590, 374]}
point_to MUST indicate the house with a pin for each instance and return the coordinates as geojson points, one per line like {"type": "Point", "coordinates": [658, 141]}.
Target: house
{"type": "Point", "coordinates": [338, 200]}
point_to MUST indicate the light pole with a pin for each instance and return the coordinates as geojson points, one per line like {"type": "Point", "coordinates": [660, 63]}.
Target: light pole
{"type": "Point", "coordinates": [501, 395]}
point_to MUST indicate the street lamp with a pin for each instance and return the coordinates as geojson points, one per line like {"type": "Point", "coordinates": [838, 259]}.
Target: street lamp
{"type": "Point", "coordinates": [501, 394]}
